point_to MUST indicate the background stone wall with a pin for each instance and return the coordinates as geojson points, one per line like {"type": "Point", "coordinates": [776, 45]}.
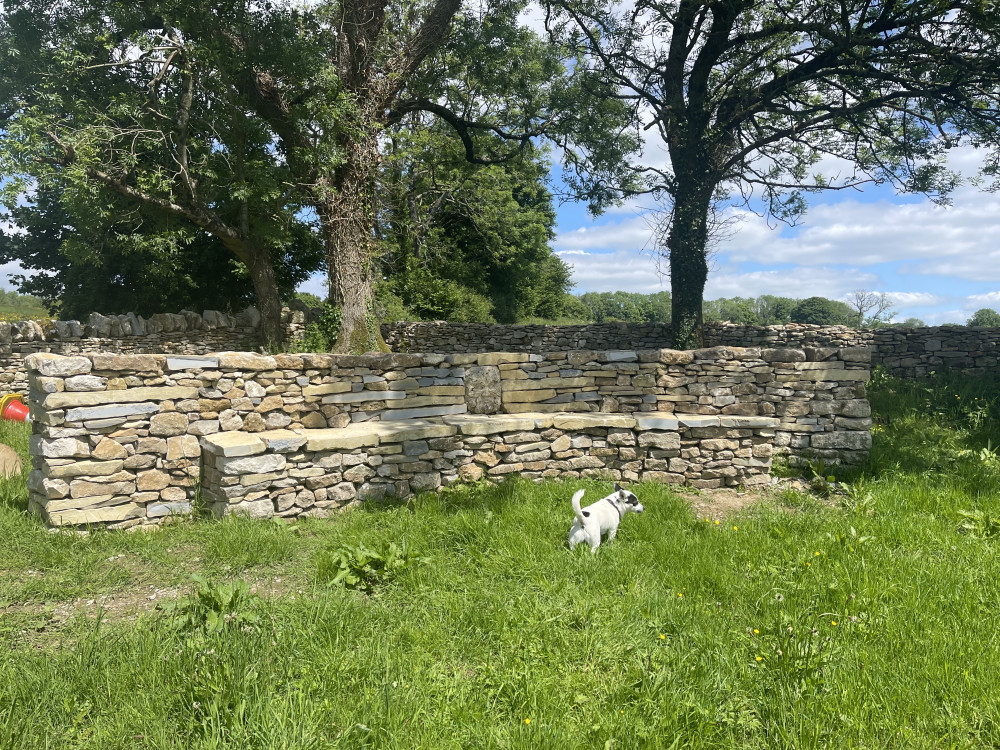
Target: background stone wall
{"type": "Point", "coordinates": [165, 333]}
{"type": "Point", "coordinates": [904, 352]}
{"type": "Point", "coordinates": [116, 437]}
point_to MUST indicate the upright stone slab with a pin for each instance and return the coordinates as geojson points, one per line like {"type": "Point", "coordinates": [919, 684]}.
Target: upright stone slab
{"type": "Point", "coordinates": [482, 389]}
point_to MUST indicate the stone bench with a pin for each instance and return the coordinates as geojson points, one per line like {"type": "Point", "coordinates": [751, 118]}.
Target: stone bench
{"type": "Point", "coordinates": [291, 472]}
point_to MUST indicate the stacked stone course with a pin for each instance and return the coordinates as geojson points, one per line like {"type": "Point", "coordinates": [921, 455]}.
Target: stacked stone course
{"type": "Point", "coordinates": [118, 437]}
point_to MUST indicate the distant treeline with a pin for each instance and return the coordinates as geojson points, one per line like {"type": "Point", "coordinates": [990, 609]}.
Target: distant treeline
{"type": "Point", "coordinates": [766, 309]}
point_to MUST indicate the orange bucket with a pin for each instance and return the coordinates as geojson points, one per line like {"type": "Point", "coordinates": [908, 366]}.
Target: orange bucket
{"type": "Point", "coordinates": [13, 408]}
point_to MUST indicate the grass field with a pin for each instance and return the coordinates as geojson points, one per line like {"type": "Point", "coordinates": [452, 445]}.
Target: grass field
{"type": "Point", "coordinates": [866, 619]}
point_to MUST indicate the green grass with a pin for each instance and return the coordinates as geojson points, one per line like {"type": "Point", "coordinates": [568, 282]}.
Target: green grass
{"type": "Point", "coordinates": [861, 620]}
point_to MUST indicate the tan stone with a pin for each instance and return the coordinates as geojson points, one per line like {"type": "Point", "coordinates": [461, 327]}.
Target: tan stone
{"type": "Point", "coordinates": [537, 408]}
{"type": "Point", "coordinates": [541, 383]}
{"type": "Point", "coordinates": [109, 450]}
{"type": "Point", "coordinates": [500, 358]}
{"type": "Point", "coordinates": [471, 424]}
{"type": "Point", "coordinates": [147, 481]}
{"type": "Point", "coordinates": [528, 396]}
{"type": "Point", "coordinates": [584, 421]}
{"type": "Point", "coordinates": [326, 388]}
{"type": "Point", "coordinates": [129, 362]}
{"type": "Point", "coordinates": [270, 403]}
{"type": "Point", "coordinates": [246, 361]}
{"type": "Point", "coordinates": [167, 424]}
{"type": "Point", "coordinates": [254, 423]}
{"type": "Point", "coordinates": [470, 473]}
{"type": "Point", "coordinates": [86, 469]}
{"type": "Point", "coordinates": [106, 514]}
{"type": "Point", "coordinates": [560, 444]}
{"type": "Point", "coordinates": [411, 429]}
{"type": "Point", "coordinates": [667, 441]}
{"type": "Point", "coordinates": [151, 445]}
{"type": "Point", "coordinates": [127, 396]}
{"type": "Point", "coordinates": [441, 390]}
{"type": "Point", "coordinates": [83, 488]}
{"type": "Point", "coordinates": [346, 438]}
{"type": "Point", "coordinates": [314, 420]}
{"type": "Point", "coordinates": [56, 365]}
{"type": "Point", "coordinates": [231, 444]}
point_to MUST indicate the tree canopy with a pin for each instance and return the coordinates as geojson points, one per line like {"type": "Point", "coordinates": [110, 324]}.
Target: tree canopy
{"type": "Point", "coordinates": [747, 97]}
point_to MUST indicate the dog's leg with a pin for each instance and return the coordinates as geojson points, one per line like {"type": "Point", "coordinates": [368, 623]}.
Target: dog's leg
{"type": "Point", "coordinates": [611, 534]}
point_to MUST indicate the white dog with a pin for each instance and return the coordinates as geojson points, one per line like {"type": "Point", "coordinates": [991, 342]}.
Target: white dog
{"type": "Point", "coordinates": [602, 517]}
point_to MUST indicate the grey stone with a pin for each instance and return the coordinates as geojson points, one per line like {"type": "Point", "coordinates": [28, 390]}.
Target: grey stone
{"type": "Point", "coordinates": [110, 411]}
{"type": "Point", "coordinates": [483, 389]}
{"type": "Point", "coordinates": [53, 365]}
{"type": "Point", "coordinates": [86, 383]}
{"type": "Point", "coordinates": [192, 363]}
{"type": "Point", "coordinates": [269, 462]}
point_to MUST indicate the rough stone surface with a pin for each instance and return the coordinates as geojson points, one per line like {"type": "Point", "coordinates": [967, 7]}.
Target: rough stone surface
{"type": "Point", "coordinates": [482, 389]}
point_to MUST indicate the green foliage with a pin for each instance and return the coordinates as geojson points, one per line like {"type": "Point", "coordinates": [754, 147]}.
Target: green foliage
{"type": "Point", "coordinates": [911, 323]}
{"type": "Point", "coordinates": [309, 299]}
{"type": "Point", "coordinates": [321, 334]}
{"type": "Point", "coordinates": [212, 608]}
{"type": "Point", "coordinates": [985, 317]}
{"type": "Point", "coordinates": [822, 311]}
{"type": "Point", "coordinates": [627, 307]}
{"type": "Point", "coordinates": [358, 567]}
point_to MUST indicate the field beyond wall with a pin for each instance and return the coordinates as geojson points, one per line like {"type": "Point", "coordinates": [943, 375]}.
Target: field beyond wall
{"type": "Point", "coordinates": [858, 618]}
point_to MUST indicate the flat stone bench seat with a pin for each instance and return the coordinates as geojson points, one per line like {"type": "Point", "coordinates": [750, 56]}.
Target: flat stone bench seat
{"type": "Point", "coordinates": [289, 472]}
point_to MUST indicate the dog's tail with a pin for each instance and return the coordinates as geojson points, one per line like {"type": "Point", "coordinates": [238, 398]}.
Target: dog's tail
{"type": "Point", "coordinates": [577, 497]}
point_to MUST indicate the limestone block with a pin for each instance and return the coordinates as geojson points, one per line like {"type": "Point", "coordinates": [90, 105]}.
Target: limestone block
{"type": "Point", "coordinates": [853, 440]}
{"type": "Point", "coordinates": [500, 358]}
{"type": "Point", "coordinates": [655, 423]}
{"type": "Point", "coordinates": [560, 444]}
{"type": "Point", "coordinates": [359, 473]}
{"type": "Point", "coordinates": [426, 482]}
{"type": "Point", "coordinates": [314, 420]}
{"type": "Point", "coordinates": [173, 494]}
{"type": "Point", "coordinates": [192, 363]}
{"type": "Point", "coordinates": [585, 421]}
{"type": "Point", "coordinates": [246, 361]}
{"type": "Point", "coordinates": [698, 420]}
{"type": "Point", "coordinates": [470, 473]}
{"type": "Point", "coordinates": [105, 514]}
{"type": "Point", "coordinates": [345, 438]}
{"type": "Point", "coordinates": [361, 396]}
{"type": "Point", "coordinates": [783, 355]}
{"type": "Point", "coordinates": [147, 481]}
{"type": "Point", "coordinates": [84, 488]}
{"type": "Point", "coordinates": [674, 357]}
{"type": "Point", "coordinates": [85, 469]}
{"type": "Point", "coordinates": [254, 423]}
{"type": "Point", "coordinates": [86, 383]}
{"type": "Point", "coordinates": [527, 396]}
{"type": "Point", "coordinates": [168, 424]}
{"type": "Point", "coordinates": [128, 362]}
{"type": "Point", "coordinates": [108, 450]}
{"type": "Point", "coordinates": [182, 446]}
{"type": "Point", "coordinates": [429, 411]}
{"type": "Point", "coordinates": [69, 447]}
{"type": "Point", "coordinates": [127, 396]}
{"type": "Point", "coordinates": [260, 464]}
{"type": "Point", "coordinates": [159, 510]}
{"type": "Point", "coordinates": [263, 508]}
{"type": "Point", "coordinates": [326, 388]}
{"type": "Point", "coordinates": [544, 383]}
{"type": "Point", "coordinates": [229, 420]}
{"type": "Point", "coordinates": [282, 441]}
{"type": "Point", "coordinates": [669, 441]}
{"type": "Point", "coordinates": [54, 365]}
{"type": "Point", "coordinates": [110, 411]}
{"type": "Point", "coordinates": [232, 444]}
{"type": "Point", "coordinates": [253, 389]}
{"type": "Point", "coordinates": [269, 403]}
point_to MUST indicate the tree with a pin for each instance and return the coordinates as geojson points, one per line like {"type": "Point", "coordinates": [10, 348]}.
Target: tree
{"type": "Point", "coordinates": [110, 103]}
{"type": "Point", "coordinates": [822, 311]}
{"type": "Point", "coordinates": [747, 96]}
{"type": "Point", "coordinates": [139, 262]}
{"type": "Point", "coordinates": [877, 304]}
{"type": "Point", "coordinates": [986, 317]}
{"type": "Point", "coordinates": [367, 67]}
{"type": "Point", "coordinates": [912, 323]}
{"type": "Point", "coordinates": [460, 241]}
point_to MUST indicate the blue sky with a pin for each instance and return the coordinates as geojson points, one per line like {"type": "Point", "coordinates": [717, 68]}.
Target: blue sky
{"type": "Point", "coordinates": [939, 264]}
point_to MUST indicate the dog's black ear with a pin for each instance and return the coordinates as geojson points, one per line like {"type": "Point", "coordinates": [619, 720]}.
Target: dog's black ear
{"type": "Point", "coordinates": [617, 488]}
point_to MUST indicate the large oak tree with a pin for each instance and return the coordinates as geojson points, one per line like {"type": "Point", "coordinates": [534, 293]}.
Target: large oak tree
{"type": "Point", "coordinates": [748, 95]}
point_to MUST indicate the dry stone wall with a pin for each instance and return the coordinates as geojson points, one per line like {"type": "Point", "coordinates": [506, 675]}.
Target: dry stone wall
{"type": "Point", "coordinates": [904, 352]}
{"type": "Point", "coordinates": [118, 438]}
{"type": "Point", "coordinates": [164, 333]}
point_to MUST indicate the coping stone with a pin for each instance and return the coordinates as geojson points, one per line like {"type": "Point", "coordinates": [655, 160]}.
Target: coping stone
{"type": "Point", "coordinates": [699, 420]}
{"type": "Point", "coordinates": [110, 411]}
{"type": "Point", "coordinates": [656, 423]}
{"type": "Point", "coordinates": [230, 444]}
{"type": "Point", "coordinates": [191, 363]}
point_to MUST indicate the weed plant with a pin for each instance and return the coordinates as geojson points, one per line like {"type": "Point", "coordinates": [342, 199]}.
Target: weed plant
{"type": "Point", "coordinates": [801, 622]}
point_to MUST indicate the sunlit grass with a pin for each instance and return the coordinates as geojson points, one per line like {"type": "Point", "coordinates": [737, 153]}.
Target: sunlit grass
{"type": "Point", "coordinates": [865, 620]}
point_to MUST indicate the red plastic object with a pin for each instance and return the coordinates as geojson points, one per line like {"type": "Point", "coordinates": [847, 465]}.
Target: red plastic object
{"type": "Point", "coordinates": [12, 408]}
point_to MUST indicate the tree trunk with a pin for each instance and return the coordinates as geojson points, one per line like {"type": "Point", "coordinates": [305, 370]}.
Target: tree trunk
{"type": "Point", "coordinates": [266, 289]}
{"type": "Point", "coordinates": [348, 220]}
{"type": "Point", "coordinates": [687, 244]}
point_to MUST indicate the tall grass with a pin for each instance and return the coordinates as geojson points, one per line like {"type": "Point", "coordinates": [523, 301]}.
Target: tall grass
{"type": "Point", "coordinates": [868, 623]}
